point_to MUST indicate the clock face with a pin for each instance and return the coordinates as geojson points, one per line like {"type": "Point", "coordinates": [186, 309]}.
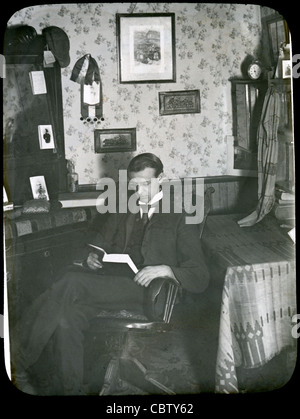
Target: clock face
{"type": "Point", "coordinates": [254, 71]}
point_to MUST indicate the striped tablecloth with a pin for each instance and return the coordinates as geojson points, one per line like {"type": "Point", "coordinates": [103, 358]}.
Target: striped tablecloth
{"type": "Point", "coordinates": [258, 297]}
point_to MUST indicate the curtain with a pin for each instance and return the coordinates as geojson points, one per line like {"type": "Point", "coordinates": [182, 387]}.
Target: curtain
{"type": "Point", "coordinates": [267, 157]}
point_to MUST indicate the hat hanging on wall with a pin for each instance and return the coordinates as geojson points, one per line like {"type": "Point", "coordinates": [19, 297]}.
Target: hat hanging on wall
{"type": "Point", "coordinates": [59, 44]}
{"type": "Point", "coordinates": [86, 73]}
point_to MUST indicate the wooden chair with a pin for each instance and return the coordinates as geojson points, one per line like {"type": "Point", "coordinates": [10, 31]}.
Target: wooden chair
{"type": "Point", "coordinates": [159, 303]}
{"type": "Point", "coordinates": [109, 330]}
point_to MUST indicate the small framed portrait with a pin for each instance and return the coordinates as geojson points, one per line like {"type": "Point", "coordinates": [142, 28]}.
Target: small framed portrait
{"type": "Point", "coordinates": [114, 140]}
{"type": "Point", "coordinates": [146, 47]}
{"type": "Point", "coordinates": [46, 137]}
{"type": "Point", "coordinates": [286, 69]}
{"type": "Point", "coordinates": [180, 102]}
{"type": "Point", "coordinates": [39, 188]}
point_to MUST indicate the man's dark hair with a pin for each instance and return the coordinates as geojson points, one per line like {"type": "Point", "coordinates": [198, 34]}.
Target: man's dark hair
{"type": "Point", "coordinates": [144, 160]}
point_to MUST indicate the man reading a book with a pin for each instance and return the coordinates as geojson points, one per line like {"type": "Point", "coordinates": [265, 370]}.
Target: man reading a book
{"type": "Point", "coordinates": [160, 245]}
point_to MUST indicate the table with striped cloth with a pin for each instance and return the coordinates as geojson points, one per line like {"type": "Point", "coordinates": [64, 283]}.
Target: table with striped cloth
{"type": "Point", "coordinates": [258, 293]}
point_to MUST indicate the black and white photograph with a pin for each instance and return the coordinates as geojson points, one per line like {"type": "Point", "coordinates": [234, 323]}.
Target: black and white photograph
{"type": "Point", "coordinates": [286, 69]}
{"type": "Point", "coordinates": [39, 188]}
{"type": "Point", "coordinates": [169, 269]}
{"type": "Point", "coordinates": [115, 140]}
{"type": "Point", "coordinates": [46, 137]}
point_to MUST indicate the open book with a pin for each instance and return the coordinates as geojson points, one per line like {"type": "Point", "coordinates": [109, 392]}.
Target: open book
{"type": "Point", "coordinates": [116, 258]}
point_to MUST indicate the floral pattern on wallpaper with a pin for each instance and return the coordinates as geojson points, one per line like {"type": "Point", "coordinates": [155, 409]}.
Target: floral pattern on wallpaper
{"type": "Point", "coordinates": [211, 42]}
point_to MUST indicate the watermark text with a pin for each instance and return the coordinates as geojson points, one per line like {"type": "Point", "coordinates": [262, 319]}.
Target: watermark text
{"type": "Point", "coordinates": [179, 196]}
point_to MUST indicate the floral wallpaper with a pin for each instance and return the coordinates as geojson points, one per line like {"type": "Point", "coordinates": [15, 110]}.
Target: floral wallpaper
{"type": "Point", "coordinates": [211, 42]}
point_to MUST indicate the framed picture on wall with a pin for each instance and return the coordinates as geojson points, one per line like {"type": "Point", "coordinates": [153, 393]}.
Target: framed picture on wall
{"type": "Point", "coordinates": [46, 138]}
{"type": "Point", "coordinates": [114, 140]}
{"type": "Point", "coordinates": [184, 101]}
{"type": "Point", "coordinates": [146, 47]}
{"type": "Point", "coordinates": [39, 188]}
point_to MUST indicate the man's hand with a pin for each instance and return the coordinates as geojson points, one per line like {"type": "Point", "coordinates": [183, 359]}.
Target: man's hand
{"type": "Point", "coordinates": [147, 274]}
{"type": "Point", "coordinates": [93, 261]}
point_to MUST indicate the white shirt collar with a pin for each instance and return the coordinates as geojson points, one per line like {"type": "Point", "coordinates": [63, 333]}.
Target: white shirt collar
{"type": "Point", "coordinates": [153, 201]}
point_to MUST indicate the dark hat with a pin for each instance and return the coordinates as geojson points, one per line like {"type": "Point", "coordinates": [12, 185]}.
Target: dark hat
{"type": "Point", "coordinates": [59, 44]}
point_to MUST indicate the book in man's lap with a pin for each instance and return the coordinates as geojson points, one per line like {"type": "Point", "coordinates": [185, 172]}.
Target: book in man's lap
{"type": "Point", "coordinates": [116, 258]}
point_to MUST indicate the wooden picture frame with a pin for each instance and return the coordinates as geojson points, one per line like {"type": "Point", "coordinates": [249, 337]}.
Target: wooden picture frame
{"type": "Point", "coordinates": [146, 47]}
{"type": "Point", "coordinates": [179, 102]}
{"type": "Point", "coordinates": [115, 140]}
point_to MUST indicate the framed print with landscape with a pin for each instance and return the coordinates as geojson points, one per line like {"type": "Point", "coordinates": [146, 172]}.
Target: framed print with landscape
{"type": "Point", "coordinates": [146, 47]}
{"type": "Point", "coordinates": [114, 140]}
{"type": "Point", "coordinates": [180, 102]}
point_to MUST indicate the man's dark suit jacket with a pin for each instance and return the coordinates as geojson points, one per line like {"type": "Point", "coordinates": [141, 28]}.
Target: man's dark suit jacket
{"type": "Point", "coordinates": [168, 240]}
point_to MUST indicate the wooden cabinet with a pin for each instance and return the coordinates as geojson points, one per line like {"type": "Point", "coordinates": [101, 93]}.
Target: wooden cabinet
{"type": "Point", "coordinates": [38, 247]}
{"type": "Point", "coordinates": [23, 113]}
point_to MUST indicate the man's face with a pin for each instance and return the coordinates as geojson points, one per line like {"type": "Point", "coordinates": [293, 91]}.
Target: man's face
{"type": "Point", "coordinates": [145, 183]}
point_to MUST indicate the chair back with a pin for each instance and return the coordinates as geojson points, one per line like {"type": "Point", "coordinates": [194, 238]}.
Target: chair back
{"type": "Point", "coordinates": [207, 207]}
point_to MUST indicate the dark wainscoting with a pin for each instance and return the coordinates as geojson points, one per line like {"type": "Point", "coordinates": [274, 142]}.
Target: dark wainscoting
{"type": "Point", "coordinates": [233, 194]}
